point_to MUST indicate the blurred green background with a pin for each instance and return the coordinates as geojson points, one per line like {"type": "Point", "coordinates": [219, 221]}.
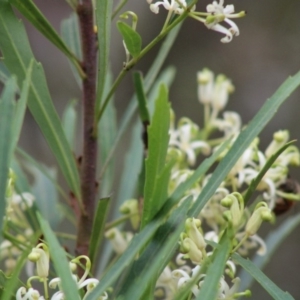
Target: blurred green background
{"type": "Point", "coordinates": [258, 61]}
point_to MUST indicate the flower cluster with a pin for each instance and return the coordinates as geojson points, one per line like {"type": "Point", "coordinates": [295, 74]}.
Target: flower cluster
{"type": "Point", "coordinates": [215, 14]}
{"type": "Point", "coordinates": [226, 208]}
{"type": "Point", "coordinates": [16, 224]}
{"type": "Point", "coordinates": [41, 257]}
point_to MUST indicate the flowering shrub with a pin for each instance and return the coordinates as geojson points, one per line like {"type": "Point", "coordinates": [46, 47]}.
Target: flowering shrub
{"type": "Point", "coordinates": [185, 221]}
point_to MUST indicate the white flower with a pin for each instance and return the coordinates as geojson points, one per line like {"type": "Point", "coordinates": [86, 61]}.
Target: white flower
{"type": "Point", "coordinates": [176, 6]}
{"type": "Point", "coordinates": [40, 255]}
{"type": "Point", "coordinates": [205, 80]}
{"type": "Point", "coordinates": [31, 294]}
{"type": "Point", "coordinates": [186, 140]}
{"type": "Point", "coordinates": [118, 241]}
{"type": "Point", "coordinates": [219, 13]}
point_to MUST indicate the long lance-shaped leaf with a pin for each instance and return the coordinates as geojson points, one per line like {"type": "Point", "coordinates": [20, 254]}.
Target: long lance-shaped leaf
{"type": "Point", "coordinates": [150, 78]}
{"type": "Point", "coordinates": [245, 138]}
{"type": "Point", "coordinates": [136, 245]}
{"type": "Point", "coordinates": [262, 279]}
{"type": "Point", "coordinates": [7, 106]}
{"type": "Point", "coordinates": [98, 227]}
{"type": "Point", "coordinates": [155, 245]}
{"type": "Point", "coordinates": [255, 182]}
{"type": "Point", "coordinates": [71, 35]}
{"type": "Point", "coordinates": [17, 56]}
{"type": "Point", "coordinates": [156, 257]}
{"type": "Point", "coordinates": [40, 22]}
{"type": "Point", "coordinates": [21, 107]}
{"type": "Point", "coordinates": [209, 289]}
{"type": "Point", "coordinates": [103, 21]}
{"type": "Point", "coordinates": [158, 139]}
{"type": "Point", "coordinates": [59, 259]}
{"type": "Point", "coordinates": [140, 240]}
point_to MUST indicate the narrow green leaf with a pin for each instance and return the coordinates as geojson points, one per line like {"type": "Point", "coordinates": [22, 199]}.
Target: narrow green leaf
{"type": "Point", "coordinates": [69, 122]}
{"type": "Point", "coordinates": [245, 138]}
{"type": "Point", "coordinates": [132, 39]}
{"type": "Point", "coordinates": [30, 161]}
{"type": "Point", "coordinates": [133, 164]}
{"type": "Point", "coordinates": [17, 56]}
{"type": "Point", "coordinates": [158, 139]}
{"type": "Point", "coordinates": [103, 21]}
{"type": "Point", "coordinates": [136, 245]}
{"type": "Point", "coordinates": [209, 289]}
{"type": "Point", "coordinates": [60, 261]}
{"type": "Point", "coordinates": [151, 263]}
{"type": "Point", "coordinates": [262, 279]}
{"type": "Point", "coordinates": [7, 105]}
{"type": "Point", "coordinates": [39, 21]}
{"type": "Point", "coordinates": [44, 189]}
{"type": "Point", "coordinates": [71, 36]}
{"type": "Point", "coordinates": [141, 97]}
{"type": "Point", "coordinates": [273, 240]}
{"type": "Point", "coordinates": [98, 227]}
{"type": "Point", "coordinates": [255, 182]}
{"type": "Point", "coordinates": [21, 107]}
{"type": "Point", "coordinates": [107, 128]}
{"type": "Point", "coordinates": [21, 183]}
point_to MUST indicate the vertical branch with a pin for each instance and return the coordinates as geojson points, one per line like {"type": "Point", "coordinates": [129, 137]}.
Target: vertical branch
{"type": "Point", "coordinates": [89, 156]}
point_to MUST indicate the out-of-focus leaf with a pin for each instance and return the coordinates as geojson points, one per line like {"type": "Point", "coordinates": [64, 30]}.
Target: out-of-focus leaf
{"type": "Point", "coordinates": [132, 39]}
{"type": "Point", "coordinates": [21, 107]}
{"type": "Point", "coordinates": [29, 160]}
{"type": "Point", "coordinates": [98, 227]}
{"type": "Point", "coordinates": [46, 194]}
{"type": "Point", "coordinates": [107, 128]}
{"type": "Point", "coordinates": [158, 139]}
{"type": "Point", "coordinates": [103, 21]}
{"type": "Point", "coordinates": [7, 106]}
{"type": "Point", "coordinates": [21, 182]}
{"type": "Point", "coordinates": [69, 122]}
{"type": "Point", "coordinates": [274, 291]}
{"type": "Point", "coordinates": [61, 264]}
{"type": "Point", "coordinates": [17, 56]}
{"type": "Point", "coordinates": [71, 36]}
{"type": "Point", "coordinates": [39, 21]}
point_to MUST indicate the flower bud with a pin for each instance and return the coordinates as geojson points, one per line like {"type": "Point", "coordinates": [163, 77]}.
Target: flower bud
{"type": "Point", "coordinates": [260, 214]}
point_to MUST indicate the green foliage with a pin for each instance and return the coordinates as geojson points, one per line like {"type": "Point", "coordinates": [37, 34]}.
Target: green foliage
{"type": "Point", "coordinates": [71, 36]}
{"type": "Point", "coordinates": [98, 227]}
{"type": "Point", "coordinates": [103, 21]}
{"type": "Point", "coordinates": [7, 106]}
{"type": "Point", "coordinates": [17, 56]}
{"type": "Point", "coordinates": [59, 259]}
{"type": "Point", "coordinates": [274, 291]}
{"type": "Point", "coordinates": [132, 39]}
{"type": "Point", "coordinates": [158, 138]}
{"type": "Point", "coordinates": [39, 21]}
{"type": "Point", "coordinates": [133, 274]}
